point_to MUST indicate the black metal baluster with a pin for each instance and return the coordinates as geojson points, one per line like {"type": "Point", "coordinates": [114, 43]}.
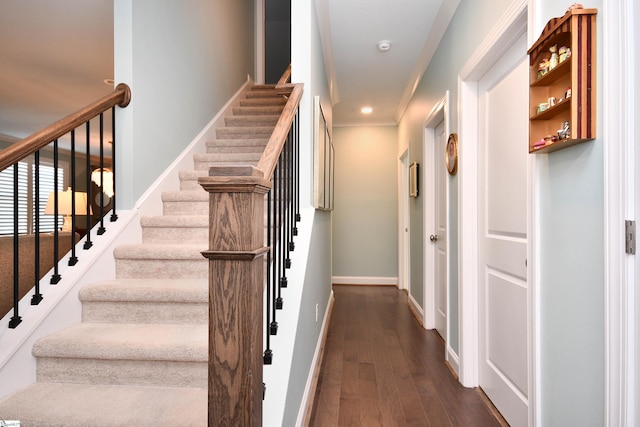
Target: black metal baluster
{"type": "Point", "coordinates": [281, 229]}
{"type": "Point", "coordinates": [55, 277]}
{"type": "Point", "coordinates": [297, 144]}
{"type": "Point", "coordinates": [268, 353]}
{"type": "Point", "coordinates": [114, 215]}
{"type": "Point", "coordinates": [88, 243]}
{"type": "Point", "coordinates": [73, 260]}
{"type": "Point", "coordinates": [276, 261]}
{"type": "Point", "coordinates": [101, 229]}
{"type": "Point", "coordinates": [287, 196]}
{"type": "Point", "coordinates": [15, 319]}
{"type": "Point", "coordinates": [37, 296]}
{"type": "Point", "coordinates": [290, 203]}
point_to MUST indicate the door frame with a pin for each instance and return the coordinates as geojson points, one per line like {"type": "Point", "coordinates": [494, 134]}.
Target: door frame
{"type": "Point", "coordinates": [439, 113]}
{"type": "Point", "coordinates": [620, 99]}
{"type": "Point", "coordinates": [404, 246]}
{"type": "Point", "coordinates": [512, 25]}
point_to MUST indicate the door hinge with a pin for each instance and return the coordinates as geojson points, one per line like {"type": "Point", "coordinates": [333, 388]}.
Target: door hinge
{"type": "Point", "coordinates": [630, 237]}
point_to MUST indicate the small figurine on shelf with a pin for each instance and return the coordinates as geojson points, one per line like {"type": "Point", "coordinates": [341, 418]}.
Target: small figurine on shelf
{"type": "Point", "coordinates": [567, 94]}
{"type": "Point", "coordinates": [564, 132]}
{"type": "Point", "coordinates": [564, 53]}
{"type": "Point", "coordinates": [543, 67]}
{"type": "Point", "coordinates": [575, 6]}
{"type": "Point", "coordinates": [553, 62]}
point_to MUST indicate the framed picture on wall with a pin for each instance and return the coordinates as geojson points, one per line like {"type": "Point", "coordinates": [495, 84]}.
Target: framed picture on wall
{"type": "Point", "coordinates": [323, 160]}
{"type": "Point", "coordinates": [413, 179]}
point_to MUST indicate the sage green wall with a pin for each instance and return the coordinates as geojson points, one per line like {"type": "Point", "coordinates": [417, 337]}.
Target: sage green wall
{"type": "Point", "coordinates": [571, 267]}
{"type": "Point", "coordinates": [365, 218]}
{"type": "Point", "coordinates": [183, 61]}
{"type": "Point", "coordinates": [471, 23]}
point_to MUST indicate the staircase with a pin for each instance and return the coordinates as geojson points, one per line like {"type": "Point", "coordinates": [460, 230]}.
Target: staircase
{"type": "Point", "coordinates": [140, 355]}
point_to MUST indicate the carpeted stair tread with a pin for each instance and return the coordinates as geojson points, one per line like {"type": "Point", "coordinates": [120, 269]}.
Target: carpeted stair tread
{"type": "Point", "coordinates": [160, 251]}
{"type": "Point", "coordinates": [147, 290]}
{"type": "Point", "coordinates": [81, 405]}
{"type": "Point", "coordinates": [250, 142]}
{"type": "Point", "coordinates": [109, 341]}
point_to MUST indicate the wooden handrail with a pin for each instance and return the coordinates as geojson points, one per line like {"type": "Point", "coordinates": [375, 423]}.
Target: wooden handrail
{"type": "Point", "coordinates": [271, 153]}
{"type": "Point", "coordinates": [286, 77]}
{"type": "Point", "coordinates": [120, 96]}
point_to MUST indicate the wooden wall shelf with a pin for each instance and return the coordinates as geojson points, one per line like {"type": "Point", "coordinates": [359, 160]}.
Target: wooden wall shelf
{"type": "Point", "coordinates": [549, 106]}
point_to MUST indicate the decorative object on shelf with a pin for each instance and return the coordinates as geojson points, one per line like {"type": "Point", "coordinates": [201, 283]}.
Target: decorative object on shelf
{"type": "Point", "coordinates": [413, 179]}
{"type": "Point", "coordinates": [553, 61]}
{"type": "Point", "coordinates": [452, 154]}
{"type": "Point", "coordinates": [64, 206]}
{"type": "Point", "coordinates": [562, 83]}
{"type": "Point", "coordinates": [564, 53]}
{"type": "Point", "coordinates": [564, 132]}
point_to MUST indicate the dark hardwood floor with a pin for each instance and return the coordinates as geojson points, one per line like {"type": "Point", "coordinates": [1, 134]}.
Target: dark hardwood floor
{"type": "Point", "coordinates": [381, 368]}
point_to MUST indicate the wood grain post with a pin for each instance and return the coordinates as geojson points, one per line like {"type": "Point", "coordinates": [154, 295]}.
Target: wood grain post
{"type": "Point", "coordinates": [236, 285]}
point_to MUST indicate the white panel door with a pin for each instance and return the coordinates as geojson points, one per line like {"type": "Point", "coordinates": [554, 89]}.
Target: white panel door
{"type": "Point", "coordinates": [502, 228]}
{"type": "Point", "coordinates": [440, 235]}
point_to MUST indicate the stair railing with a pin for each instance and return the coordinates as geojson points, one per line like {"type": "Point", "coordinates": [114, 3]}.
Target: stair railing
{"type": "Point", "coordinates": [25, 158]}
{"type": "Point", "coordinates": [237, 271]}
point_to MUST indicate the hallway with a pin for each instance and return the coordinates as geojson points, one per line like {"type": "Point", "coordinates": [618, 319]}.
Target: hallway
{"type": "Point", "coordinates": [381, 368]}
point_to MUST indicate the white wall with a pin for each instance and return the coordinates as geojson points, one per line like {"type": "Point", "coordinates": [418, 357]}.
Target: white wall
{"type": "Point", "coordinates": [365, 231]}
{"type": "Point", "coordinates": [183, 61]}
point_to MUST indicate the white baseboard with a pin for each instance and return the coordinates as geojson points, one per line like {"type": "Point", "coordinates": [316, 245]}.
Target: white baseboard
{"type": "Point", "coordinates": [453, 360]}
{"type": "Point", "coordinates": [306, 406]}
{"type": "Point", "coordinates": [415, 308]}
{"type": "Point", "coordinates": [364, 280]}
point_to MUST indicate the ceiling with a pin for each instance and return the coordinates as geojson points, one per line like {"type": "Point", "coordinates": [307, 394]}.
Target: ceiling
{"type": "Point", "coordinates": [56, 56]}
{"type": "Point", "coordinates": [359, 73]}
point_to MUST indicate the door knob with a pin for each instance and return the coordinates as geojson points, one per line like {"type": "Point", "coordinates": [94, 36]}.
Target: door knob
{"type": "Point", "coordinates": [433, 237]}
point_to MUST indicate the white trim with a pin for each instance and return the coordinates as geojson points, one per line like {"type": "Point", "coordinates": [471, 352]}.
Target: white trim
{"type": "Point", "coordinates": [511, 26]}
{"type": "Point", "coordinates": [259, 41]}
{"type": "Point", "coordinates": [453, 359]}
{"type": "Point", "coordinates": [364, 280]}
{"type": "Point", "coordinates": [415, 307]}
{"type": "Point", "coordinates": [439, 112]}
{"type": "Point", "coordinates": [619, 91]}
{"type": "Point", "coordinates": [306, 405]}
{"type": "Point", "coordinates": [403, 220]}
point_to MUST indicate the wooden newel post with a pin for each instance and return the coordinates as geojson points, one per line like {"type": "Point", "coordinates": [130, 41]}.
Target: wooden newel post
{"type": "Point", "coordinates": [236, 285]}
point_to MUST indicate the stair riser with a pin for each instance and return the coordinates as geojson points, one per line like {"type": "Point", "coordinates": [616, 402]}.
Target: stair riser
{"type": "Point", "coordinates": [226, 149]}
{"type": "Point", "coordinates": [222, 162]}
{"type": "Point", "coordinates": [260, 102]}
{"type": "Point", "coordinates": [175, 313]}
{"type": "Point", "coordinates": [243, 133]}
{"type": "Point", "coordinates": [186, 208]}
{"type": "Point", "coordinates": [175, 235]}
{"type": "Point", "coordinates": [251, 121]}
{"type": "Point", "coordinates": [165, 268]}
{"type": "Point", "coordinates": [256, 111]}
{"type": "Point", "coordinates": [123, 372]}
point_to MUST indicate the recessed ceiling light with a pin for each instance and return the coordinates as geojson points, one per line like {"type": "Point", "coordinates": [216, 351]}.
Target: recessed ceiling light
{"type": "Point", "coordinates": [366, 110]}
{"type": "Point", "coordinates": [109, 82]}
{"type": "Point", "coordinates": [384, 45]}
